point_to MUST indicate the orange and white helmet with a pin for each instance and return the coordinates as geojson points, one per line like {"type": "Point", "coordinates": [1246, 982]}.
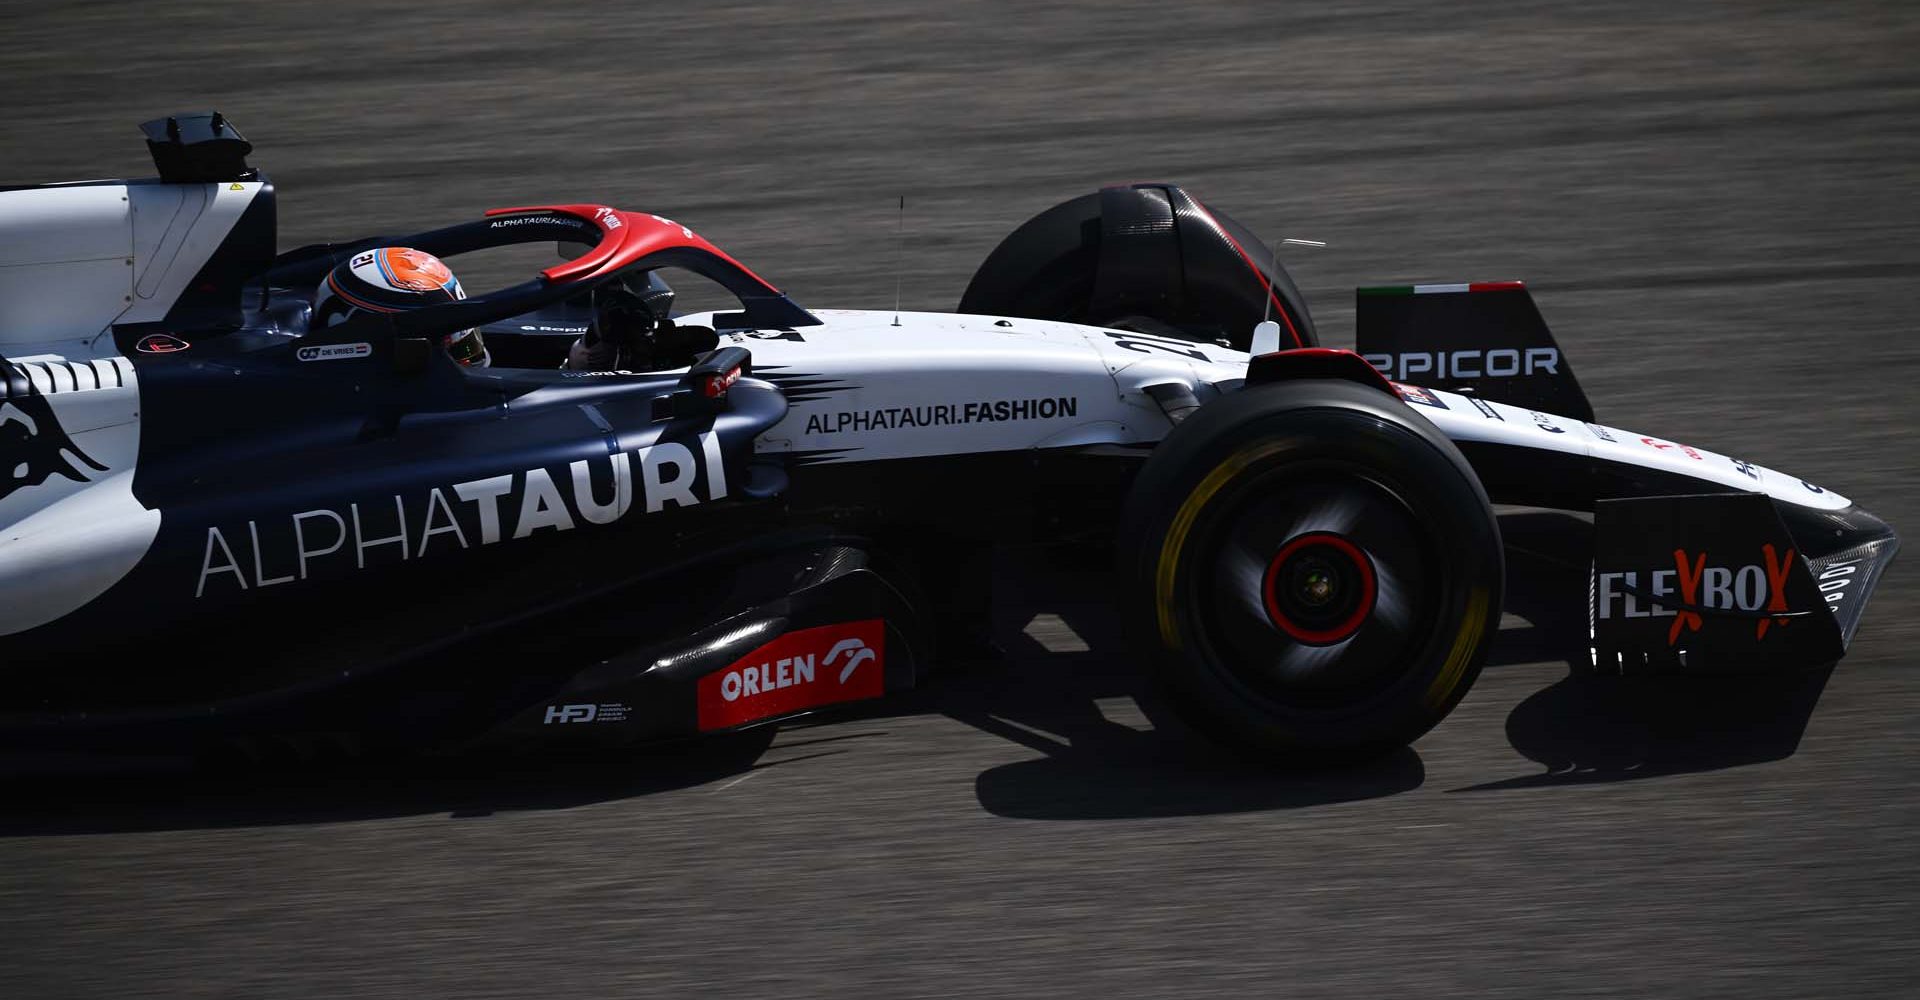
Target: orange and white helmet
{"type": "Point", "coordinates": [395, 279]}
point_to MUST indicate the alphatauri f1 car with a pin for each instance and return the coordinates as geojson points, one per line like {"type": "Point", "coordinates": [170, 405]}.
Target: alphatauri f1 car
{"type": "Point", "coordinates": [223, 521]}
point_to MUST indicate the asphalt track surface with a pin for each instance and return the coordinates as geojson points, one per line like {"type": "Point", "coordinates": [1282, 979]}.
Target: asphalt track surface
{"type": "Point", "coordinates": [1718, 208]}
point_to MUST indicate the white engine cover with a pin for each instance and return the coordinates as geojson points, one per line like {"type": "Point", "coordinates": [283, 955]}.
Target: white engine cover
{"type": "Point", "coordinates": [77, 258]}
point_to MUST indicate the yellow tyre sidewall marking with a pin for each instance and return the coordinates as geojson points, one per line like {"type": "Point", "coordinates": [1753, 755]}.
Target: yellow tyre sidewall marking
{"type": "Point", "coordinates": [1463, 646]}
{"type": "Point", "coordinates": [1167, 572]}
{"type": "Point", "coordinates": [1168, 567]}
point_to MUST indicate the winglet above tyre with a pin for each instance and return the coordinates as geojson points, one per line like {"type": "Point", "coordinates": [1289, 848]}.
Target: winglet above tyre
{"type": "Point", "coordinates": [1316, 362]}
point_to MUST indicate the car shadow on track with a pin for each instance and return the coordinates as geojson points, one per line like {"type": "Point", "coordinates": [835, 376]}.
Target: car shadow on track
{"type": "Point", "coordinates": [1589, 728]}
{"type": "Point", "coordinates": [80, 796]}
{"type": "Point", "coordinates": [1068, 687]}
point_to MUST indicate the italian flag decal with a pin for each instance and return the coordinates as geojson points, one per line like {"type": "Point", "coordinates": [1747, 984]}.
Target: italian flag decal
{"type": "Point", "coordinates": [1476, 286]}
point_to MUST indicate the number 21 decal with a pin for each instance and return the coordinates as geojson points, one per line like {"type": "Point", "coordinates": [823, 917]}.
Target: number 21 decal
{"type": "Point", "coordinates": [1147, 344]}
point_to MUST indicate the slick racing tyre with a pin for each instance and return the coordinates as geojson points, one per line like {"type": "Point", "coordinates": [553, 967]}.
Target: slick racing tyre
{"type": "Point", "coordinates": [1144, 257]}
{"type": "Point", "coordinates": [1314, 570]}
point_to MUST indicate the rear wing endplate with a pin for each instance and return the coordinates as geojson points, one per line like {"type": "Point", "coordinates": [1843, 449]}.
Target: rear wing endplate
{"type": "Point", "coordinates": [1485, 339]}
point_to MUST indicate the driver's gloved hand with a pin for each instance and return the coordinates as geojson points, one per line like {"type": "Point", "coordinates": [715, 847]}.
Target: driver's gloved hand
{"type": "Point", "coordinates": [620, 337]}
{"type": "Point", "coordinates": [592, 354]}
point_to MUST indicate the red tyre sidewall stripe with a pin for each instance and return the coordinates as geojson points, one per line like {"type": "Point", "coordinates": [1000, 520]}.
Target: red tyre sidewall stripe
{"type": "Point", "coordinates": [1342, 631]}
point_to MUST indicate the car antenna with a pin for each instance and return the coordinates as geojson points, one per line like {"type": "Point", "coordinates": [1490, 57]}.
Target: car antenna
{"type": "Point", "coordinates": [1266, 336]}
{"type": "Point", "coordinates": [1273, 268]}
{"type": "Point", "coordinates": [899, 251]}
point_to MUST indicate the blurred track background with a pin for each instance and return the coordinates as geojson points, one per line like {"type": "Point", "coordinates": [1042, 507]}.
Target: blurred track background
{"type": "Point", "coordinates": [1717, 206]}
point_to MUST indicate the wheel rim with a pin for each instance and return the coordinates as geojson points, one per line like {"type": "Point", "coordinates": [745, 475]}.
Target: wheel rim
{"type": "Point", "coordinates": [1319, 588]}
{"type": "Point", "coordinates": [1315, 588]}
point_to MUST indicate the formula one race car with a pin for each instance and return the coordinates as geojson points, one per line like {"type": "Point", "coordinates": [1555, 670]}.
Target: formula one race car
{"type": "Point", "coordinates": [222, 519]}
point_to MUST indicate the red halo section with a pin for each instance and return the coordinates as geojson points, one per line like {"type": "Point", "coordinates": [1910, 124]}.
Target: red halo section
{"type": "Point", "coordinates": [624, 238]}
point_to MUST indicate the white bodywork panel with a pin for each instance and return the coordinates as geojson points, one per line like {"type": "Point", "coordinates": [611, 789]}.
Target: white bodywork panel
{"type": "Point", "coordinates": [67, 538]}
{"type": "Point", "coordinates": [65, 261]}
{"type": "Point", "coordinates": [1467, 419]}
{"type": "Point", "coordinates": [75, 259]}
{"type": "Point", "coordinates": [942, 384]}
{"type": "Point", "coordinates": [864, 389]}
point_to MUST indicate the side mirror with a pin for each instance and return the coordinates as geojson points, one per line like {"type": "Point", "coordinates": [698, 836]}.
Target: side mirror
{"type": "Point", "coordinates": [703, 389]}
{"type": "Point", "coordinates": [1266, 338]}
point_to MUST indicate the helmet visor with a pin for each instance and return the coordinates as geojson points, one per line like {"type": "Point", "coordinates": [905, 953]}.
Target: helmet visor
{"type": "Point", "coordinates": [467, 348]}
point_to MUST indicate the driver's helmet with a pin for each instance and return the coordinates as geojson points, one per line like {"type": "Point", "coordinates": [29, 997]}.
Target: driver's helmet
{"type": "Point", "coordinates": [394, 279]}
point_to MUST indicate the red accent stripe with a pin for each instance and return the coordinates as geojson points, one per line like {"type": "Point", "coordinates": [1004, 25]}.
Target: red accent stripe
{"type": "Point", "coordinates": [1265, 285]}
{"type": "Point", "coordinates": [1496, 286]}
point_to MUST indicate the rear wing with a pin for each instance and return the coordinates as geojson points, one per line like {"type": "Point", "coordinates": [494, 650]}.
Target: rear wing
{"type": "Point", "coordinates": [1483, 339]}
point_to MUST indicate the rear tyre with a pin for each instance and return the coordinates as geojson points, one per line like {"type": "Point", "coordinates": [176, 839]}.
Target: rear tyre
{"type": "Point", "coordinates": [1145, 257]}
{"type": "Point", "coordinates": [1314, 570]}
